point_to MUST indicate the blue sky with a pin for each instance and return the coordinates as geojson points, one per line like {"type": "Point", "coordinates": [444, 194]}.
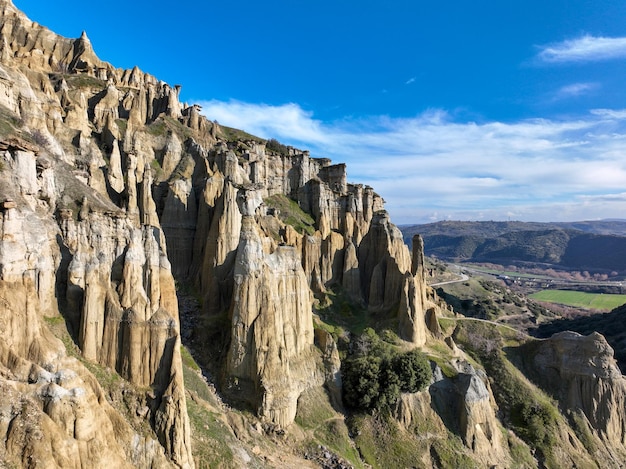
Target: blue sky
{"type": "Point", "coordinates": [450, 110]}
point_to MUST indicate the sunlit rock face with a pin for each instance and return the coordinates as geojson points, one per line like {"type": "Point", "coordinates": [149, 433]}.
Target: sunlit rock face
{"type": "Point", "coordinates": [81, 238]}
{"type": "Point", "coordinates": [582, 370]}
{"type": "Point", "coordinates": [112, 191]}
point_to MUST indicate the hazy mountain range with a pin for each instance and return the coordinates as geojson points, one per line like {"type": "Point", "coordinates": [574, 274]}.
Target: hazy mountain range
{"type": "Point", "coordinates": [585, 245]}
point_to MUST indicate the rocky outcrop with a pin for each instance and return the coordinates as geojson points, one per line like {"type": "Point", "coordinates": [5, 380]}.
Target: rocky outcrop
{"type": "Point", "coordinates": [111, 191]}
{"type": "Point", "coordinates": [124, 307]}
{"type": "Point", "coordinates": [391, 280]}
{"type": "Point", "coordinates": [84, 240]}
{"type": "Point", "coordinates": [584, 375]}
{"type": "Point", "coordinates": [463, 404]}
{"type": "Point", "coordinates": [467, 405]}
{"type": "Point", "coordinates": [54, 412]}
{"type": "Point", "coordinates": [271, 357]}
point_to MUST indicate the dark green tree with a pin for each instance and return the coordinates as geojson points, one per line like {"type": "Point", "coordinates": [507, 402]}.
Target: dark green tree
{"type": "Point", "coordinates": [361, 387]}
{"type": "Point", "coordinates": [413, 371]}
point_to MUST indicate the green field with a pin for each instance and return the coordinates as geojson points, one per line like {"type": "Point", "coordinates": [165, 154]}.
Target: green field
{"type": "Point", "coordinates": [599, 301]}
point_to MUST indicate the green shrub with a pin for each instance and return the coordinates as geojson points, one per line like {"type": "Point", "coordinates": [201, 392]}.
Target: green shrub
{"type": "Point", "coordinates": [290, 213]}
{"type": "Point", "coordinates": [275, 146]}
{"type": "Point", "coordinates": [374, 378]}
{"type": "Point", "coordinates": [361, 378]}
{"type": "Point", "coordinates": [413, 371]}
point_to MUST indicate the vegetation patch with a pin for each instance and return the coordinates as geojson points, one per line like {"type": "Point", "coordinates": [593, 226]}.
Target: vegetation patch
{"type": "Point", "coordinates": [178, 127]}
{"type": "Point", "coordinates": [84, 81]}
{"type": "Point", "coordinates": [338, 312]}
{"type": "Point", "coordinates": [290, 213]}
{"type": "Point", "coordinates": [211, 445]}
{"type": "Point", "coordinates": [597, 301]}
{"type": "Point", "coordinates": [326, 427]}
{"type": "Point", "coordinates": [528, 411]}
{"type": "Point", "coordinates": [383, 444]}
{"type": "Point", "coordinates": [158, 128]}
{"type": "Point", "coordinates": [234, 135]}
{"type": "Point", "coordinates": [9, 123]}
{"type": "Point", "coordinates": [158, 170]}
{"type": "Point", "coordinates": [188, 360]}
{"type": "Point", "coordinates": [277, 147]}
{"type": "Point", "coordinates": [376, 373]}
{"type": "Point", "coordinates": [470, 298]}
{"type": "Point", "coordinates": [122, 124]}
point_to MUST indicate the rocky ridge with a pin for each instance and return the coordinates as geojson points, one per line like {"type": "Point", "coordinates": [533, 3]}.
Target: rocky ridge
{"type": "Point", "coordinates": [112, 191]}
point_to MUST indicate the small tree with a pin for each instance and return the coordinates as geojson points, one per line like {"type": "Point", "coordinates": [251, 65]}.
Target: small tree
{"type": "Point", "coordinates": [361, 382]}
{"type": "Point", "coordinates": [413, 371]}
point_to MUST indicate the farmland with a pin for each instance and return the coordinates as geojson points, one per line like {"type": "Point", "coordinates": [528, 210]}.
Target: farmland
{"type": "Point", "coordinates": [592, 301]}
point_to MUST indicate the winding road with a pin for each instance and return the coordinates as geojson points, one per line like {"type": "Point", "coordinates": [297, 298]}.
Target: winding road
{"type": "Point", "coordinates": [463, 278]}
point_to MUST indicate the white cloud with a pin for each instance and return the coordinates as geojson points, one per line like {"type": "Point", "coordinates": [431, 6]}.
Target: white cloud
{"type": "Point", "coordinates": [267, 121]}
{"type": "Point", "coordinates": [535, 169]}
{"type": "Point", "coordinates": [574, 90]}
{"type": "Point", "coordinates": [584, 49]}
{"type": "Point", "coordinates": [610, 113]}
{"type": "Point", "coordinates": [410, 80]}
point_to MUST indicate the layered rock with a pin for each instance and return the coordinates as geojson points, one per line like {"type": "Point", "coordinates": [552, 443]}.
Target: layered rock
{"type": "Point", "coordinates": [271, 355]}
{"type": "Point", "coordinates": [105, 270]}
{"type": "Point", "coordinates": [582, 372]}
{"type": "Point", "coordinates": [150, 188]}
{"type": "Point", "coordinates": [391, 280]}
{"type": "Point", "coordinates": [54, 413]}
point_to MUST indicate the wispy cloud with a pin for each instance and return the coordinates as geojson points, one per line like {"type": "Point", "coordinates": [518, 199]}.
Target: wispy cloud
{"type": "Point", "coordinates": [410, 80]}
{"type": "Point", "coordinates": [610, 113]}
{"type": "Point", "coordinates": [536, 169]}
{"type": "Point", "coordinates": [574, 90]}
{"type": "Point", "coordinates": [584, 49]}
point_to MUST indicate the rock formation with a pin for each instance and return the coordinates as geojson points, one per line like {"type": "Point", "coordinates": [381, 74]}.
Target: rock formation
{"type": "Point", "coordinates": [137, 198]}
{"type": "Point", "coordinates": [582, 372]}
{"type": "Point", "coordinates": [463, 403]}
{"type": "Point", "coordinates": [112, 192]}
{"type": "Point", "coordinates": [85, 246]}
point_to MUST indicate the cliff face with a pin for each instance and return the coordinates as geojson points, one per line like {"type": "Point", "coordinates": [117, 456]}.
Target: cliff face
{"type": "Point", "coordinates": [112, 192]}
{"type": "Point", "coordinates": [82, 239]}
{"type": "Point", "coordinates": [115, 188]}
{"type": "Point", "coordinates": [582, 372]}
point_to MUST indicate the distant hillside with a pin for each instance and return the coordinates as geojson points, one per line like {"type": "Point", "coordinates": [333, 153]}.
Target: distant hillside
{"type": "Point", "coordinates": [587, 245]}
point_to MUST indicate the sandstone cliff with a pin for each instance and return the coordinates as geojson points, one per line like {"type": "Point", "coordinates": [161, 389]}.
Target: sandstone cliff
{"type": "Point", "coordinates": [135, 188]}
{"type": "Point", "coordinates": [113, 194]}
{"type": "Point", "coordinates": [583, 375]}
{"type": "Point", "coordinates": [83, 242]}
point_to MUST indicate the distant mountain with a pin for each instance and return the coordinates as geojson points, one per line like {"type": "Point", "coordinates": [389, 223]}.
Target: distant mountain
{"type": "Point", "coordinates": [585, 245]}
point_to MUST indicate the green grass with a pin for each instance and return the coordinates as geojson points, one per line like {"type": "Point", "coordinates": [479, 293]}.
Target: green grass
{"type": "Point", "coordinates": [188, 359]}
{"type": "Point", "coordinates": [84, 81]}
{"type": "Point", "coordinates": [9, 123]}
{"type": "Point", "coordinates": [233, 135]}
{"type": "Point", "coordinates": [291, 214]}
{"type": "Point", "coordinates": [158, 128]}
{"type": "Point", "coordinates": [598, 301]}
{"type": "Point", "coordinates": [337, 312]}
{"type": "Point", "coordinates": [122, 124]}
{"type": "Point", "coordinates": [211, 442]}
{"type": "Point", "coordinates": [325, 426]}
{"type": "Point", "coordinates": [384, 444]}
